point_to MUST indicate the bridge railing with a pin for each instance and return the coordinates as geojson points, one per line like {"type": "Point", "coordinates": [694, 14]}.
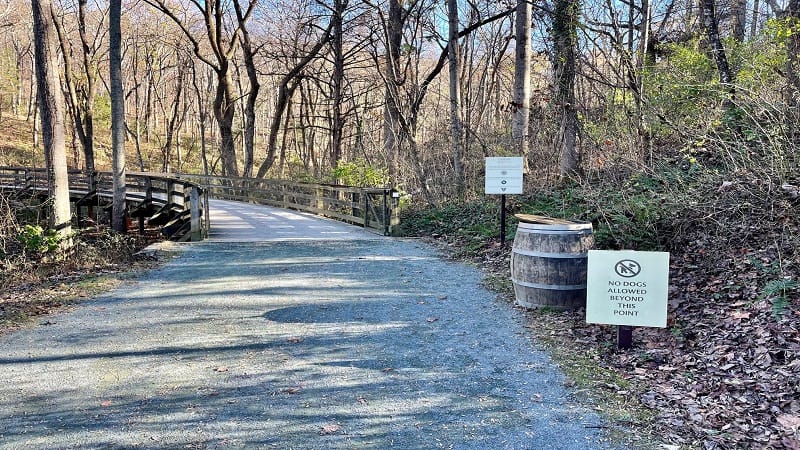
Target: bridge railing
{"type": "Point", "coordinates": [372, 208]}
{"type": "Point", "coordinates": [179, 202]}
{"type": "Point", "coordinates": [177, 205]}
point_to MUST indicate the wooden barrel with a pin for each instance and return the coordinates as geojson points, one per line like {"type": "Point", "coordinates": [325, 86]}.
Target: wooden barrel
{"type": "Point", "coordinates": [548, 262]}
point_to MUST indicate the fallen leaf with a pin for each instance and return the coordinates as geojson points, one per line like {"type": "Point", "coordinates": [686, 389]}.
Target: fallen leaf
{"type": "Point", "coordinates": [740, 315]}
{"type": "Point", "coordinates": [331, 428]}
{"type": "Point", "coordinates": [789, 421]}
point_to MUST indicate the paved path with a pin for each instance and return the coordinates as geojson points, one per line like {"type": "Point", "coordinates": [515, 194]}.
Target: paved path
{"type": "Point", "coordinates": [262, 338]}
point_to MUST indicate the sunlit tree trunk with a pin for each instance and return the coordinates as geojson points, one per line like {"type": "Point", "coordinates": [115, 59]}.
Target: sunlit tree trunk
{"type": "Point", "coordinates": [337, 80]}
{"type": "Point", "coordinates": [118, 214]}
{"type": "Point", "coordinates": [391, 116]}
{"type": "Point", "coordinates": [456, 124]}
{"type": "Point", "coordinates": [51, 109]}
{"type": "Point", "coordinates": [521, 106]}
{"type": "Point", "coordinates": [248, 54]}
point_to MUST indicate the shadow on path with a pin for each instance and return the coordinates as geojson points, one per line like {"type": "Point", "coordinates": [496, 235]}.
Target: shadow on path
{"type": "Point", "coordinates": [316, 344]}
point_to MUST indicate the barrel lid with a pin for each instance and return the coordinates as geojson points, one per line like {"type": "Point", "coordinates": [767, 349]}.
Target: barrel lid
{"type": "Point", "coordinates": [530, 221]}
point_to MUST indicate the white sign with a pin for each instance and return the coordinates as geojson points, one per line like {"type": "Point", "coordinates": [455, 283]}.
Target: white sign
{"type": "Point", "coordinates": [627, 288]}
{"type": "Point", "coordinates": [504, 175]}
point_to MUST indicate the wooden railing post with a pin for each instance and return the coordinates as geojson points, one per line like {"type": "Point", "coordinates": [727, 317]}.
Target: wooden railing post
{"type": "Point", "coordinates": [187, 196]}
{"type": "Point", "coordinates": [195, 230]}
{"type": "Point", "coordinates": [319, 202]}
{"type": "Point", "coordinates": [206, 214]}
{"type": "Point", "coordinates": [170, 187]}
{"type": "Point", "coordinates": [365, 200]}
{"type": "Point", "coordinates": [385, 212]}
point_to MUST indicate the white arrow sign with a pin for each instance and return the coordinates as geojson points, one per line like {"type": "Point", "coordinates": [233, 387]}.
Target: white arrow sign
{"type": "Point", "coordinates": [503, 175]}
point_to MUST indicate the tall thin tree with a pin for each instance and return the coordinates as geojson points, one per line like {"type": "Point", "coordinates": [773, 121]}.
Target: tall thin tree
{"type": "Point", "coordinates": [51, 110]}
{"type": "Point", "coordinates": [565, 48]}
{"type": "Point", "coordinates": [793, 73]}
{"type": "Point", "coordinates": [118, 222]}
{"type": "Point", "coordinates": [521, 104]}
{"type": "Point", "coordinates": [456, 124]}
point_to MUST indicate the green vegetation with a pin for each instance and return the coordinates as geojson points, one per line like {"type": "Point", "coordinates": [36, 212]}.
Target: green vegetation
{"type": "Point", "coordinates": [359, 173]}
{"type": "Point", "coordinates": [37, 240]}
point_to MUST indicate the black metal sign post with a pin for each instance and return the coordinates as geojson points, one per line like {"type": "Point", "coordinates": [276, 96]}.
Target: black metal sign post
{"type": "Point", "coordinates": [503, 176]}
{"type": "Point", "coordinates": [624, 336]}
{"type": "Point", "coordinates": [502, 220]}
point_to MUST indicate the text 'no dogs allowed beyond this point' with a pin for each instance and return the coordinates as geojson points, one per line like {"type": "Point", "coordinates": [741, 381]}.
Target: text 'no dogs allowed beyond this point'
{"type": "Point", "coordinates": [627, 288]}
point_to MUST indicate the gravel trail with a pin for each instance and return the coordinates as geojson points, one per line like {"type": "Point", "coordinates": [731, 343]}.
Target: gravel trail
{"type": "Point", "coordinates": [365, 343]}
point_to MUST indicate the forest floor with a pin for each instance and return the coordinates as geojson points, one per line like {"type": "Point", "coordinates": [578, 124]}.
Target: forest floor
{"type": "Point", "coordinates": [723, 374]}
{"type": "Point", "coordinates": [35, 288]}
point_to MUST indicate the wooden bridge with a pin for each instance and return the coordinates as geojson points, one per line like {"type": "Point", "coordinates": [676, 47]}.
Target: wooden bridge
{"type": "Point", "coordinates": [179, 203]}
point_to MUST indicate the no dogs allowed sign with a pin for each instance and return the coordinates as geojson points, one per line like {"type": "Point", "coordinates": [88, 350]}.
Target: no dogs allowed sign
{"type": "Point", "coordinates": [627, 288]}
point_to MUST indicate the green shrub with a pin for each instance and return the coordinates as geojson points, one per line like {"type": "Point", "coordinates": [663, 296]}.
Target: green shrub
{"type": "Point", "coordinates": [36, 239]}
{"type": "Point", "coordinates": [360, 173]}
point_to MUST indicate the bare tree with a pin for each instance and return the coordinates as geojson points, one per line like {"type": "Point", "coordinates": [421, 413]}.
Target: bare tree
{"type": "Point", "coordinates": [82, 89]}
{"type": "Point", "coordinates": [711, 27]}
{"type": "Point", "coordinates": [793, 74]}
{"type": "Point", "coordinates": [456, 124]}
{"type": "Point", "coordinates": [51, 109]}
{"type": "Point", "coordinates": [118, 214]}
{"type": "Point", "coordinates": [286, 87]}
{"type": "Point", "coordinates": [222, 47]}
{"type": "Point", "coordinates": [521, 104]}
{"type": "Point", "coordinates": [565, 48]}
{"type": "Point", "coordinates": [249, 51]}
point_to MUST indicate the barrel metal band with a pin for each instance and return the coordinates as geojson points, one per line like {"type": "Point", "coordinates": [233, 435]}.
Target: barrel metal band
{"type": "Point", "coordinates": [558, 227]}
{"type": "Point", "coordinates": [560, 233]}
{"type": "Point", "coordinates": [552, 287]}
{"type": "Point", "coordinates": [549, 255]}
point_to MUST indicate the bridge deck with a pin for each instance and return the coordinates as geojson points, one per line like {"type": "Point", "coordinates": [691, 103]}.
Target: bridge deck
{"type": "Point", "coordinates": [246, 222]}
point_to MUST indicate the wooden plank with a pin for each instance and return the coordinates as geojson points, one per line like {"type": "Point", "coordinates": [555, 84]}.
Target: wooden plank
{"type": "Point", "coordinates": [531, 218]}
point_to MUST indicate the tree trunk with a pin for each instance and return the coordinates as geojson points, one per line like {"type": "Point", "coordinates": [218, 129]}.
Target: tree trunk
{"type": "Point", "coordinates": [521, 106]}
{"type": "Point", "coordinates": [118, 214]}
{"type": "Point", "coordinates": [739, 19]}
{"type": "Point", "coordinates": [793, 74]}
{"type": "Point", "coordinates": [337, 119]}
{"type": "Point", "coordinates": [81, 96]}
{"type": "Point", "coordinates": [711, 27]}
{"type": "Point", "coordinates": [203, 113]}
{"type": "Point", "coordinates": [224, 113]}
{"type": "Point", "coordinates": [51, 109]}
{"type": "Point", "coordinates": [172, 124]}
{"type": "Point", "coordinates": [391, 115]}
{"type": "Point", "coordinates": [565, 42]}
{"type": "Point", "coordinates": [248, 54]}
{"type": "Point", "coordinates": [456, 125]}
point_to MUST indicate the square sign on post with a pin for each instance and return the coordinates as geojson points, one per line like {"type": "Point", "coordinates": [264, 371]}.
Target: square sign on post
{"type": "Point", "coordinates": [504, 175]}
{"type": "Point", "coordinates": [627, 288]}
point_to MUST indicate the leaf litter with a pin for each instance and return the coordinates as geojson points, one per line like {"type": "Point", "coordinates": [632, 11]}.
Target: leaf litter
{"type": "Point", "coordinates": [725, 373]}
